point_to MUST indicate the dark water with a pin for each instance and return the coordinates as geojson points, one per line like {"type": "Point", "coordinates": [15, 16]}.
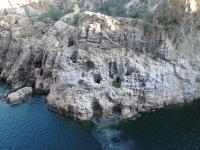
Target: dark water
{"type": "Point", "coordinates": [175, 128]}
{"type": "Point", "coordinates": [30, 126]}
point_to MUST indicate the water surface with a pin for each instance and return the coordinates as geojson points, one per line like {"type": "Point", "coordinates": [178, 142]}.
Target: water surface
{"type": "Point", "coordinates": [173, 128]}
{"type": "Point", "coordinates": [30, 126]}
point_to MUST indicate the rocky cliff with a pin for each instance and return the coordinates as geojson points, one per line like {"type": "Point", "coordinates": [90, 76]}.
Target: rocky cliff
{"type": "Point", "coordinates": [93, 65]}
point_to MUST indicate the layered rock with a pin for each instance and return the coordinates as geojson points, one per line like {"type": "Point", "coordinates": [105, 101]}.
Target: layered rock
{"type": "Point", "coordinates": [93, 65]}
{"type": "Point", "coordinates": [86, 61]}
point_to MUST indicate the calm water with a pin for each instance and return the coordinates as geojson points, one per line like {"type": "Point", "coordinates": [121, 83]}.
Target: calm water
{"type": "Point", "coordinates": [175, 128]}
{"type": "Point", "coordinates": [30, 126]}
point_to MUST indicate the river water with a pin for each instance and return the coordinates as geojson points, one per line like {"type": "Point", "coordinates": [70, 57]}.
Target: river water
{"type": "Point", "coordinates": [30, 126]}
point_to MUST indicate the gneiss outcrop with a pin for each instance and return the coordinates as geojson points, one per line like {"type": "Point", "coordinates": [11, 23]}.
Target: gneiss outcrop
{"type": "Point", "coordinates": [93, 65]}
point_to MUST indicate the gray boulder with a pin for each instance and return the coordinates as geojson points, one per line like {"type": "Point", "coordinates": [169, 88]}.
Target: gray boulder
{"type": "Point", "coordinates": [20, 95]}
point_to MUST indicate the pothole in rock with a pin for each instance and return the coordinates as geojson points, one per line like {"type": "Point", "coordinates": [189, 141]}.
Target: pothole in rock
{"type": "Point", "coordinates": [74, 57]}
{"type": "Point", "coordinates": [71, 42]}
{"type": "Point", "coordinates": [97, 78]}
{"type": "Point", "coordinates": [89, 65]}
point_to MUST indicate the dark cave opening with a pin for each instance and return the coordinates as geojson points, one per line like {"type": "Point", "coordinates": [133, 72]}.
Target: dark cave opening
{"type": "Point", "coordinates": [71, 42]}
{"type": "Point", "coordinates": [97, 109]}
{"type": "Point", "coordinates": [97, 78]}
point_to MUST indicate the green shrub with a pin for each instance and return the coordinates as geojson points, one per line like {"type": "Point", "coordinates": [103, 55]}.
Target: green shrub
{"type": "Point", "coordinates": [117, 8]}
{"type": "Point", "coordinates": [161, 19]}
{"type": "Point", "coordinates": [135, 15]}
{"type": "Point", "coordinates": [53, 14]}
{"type": "Point", "coordinates": [173, 22]}
{"type": "Point", "coordinates": [138, 13]}
{"type": "Point", "coordinates": [116, 85]}
{"type": "Point", "coordinates": [116, 11]}
{"type": "Point", "coordinates": [112, 8]}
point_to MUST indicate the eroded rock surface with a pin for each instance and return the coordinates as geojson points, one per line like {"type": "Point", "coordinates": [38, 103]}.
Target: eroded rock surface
{"type": "Point", "coordinates": [150, 71]}
{"type": "Point", "coordinates": [93, 65]}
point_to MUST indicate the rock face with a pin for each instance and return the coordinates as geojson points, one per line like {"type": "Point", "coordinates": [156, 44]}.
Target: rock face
{"type": "Point", "coordinates": [119, 66]}
{"type": "Point", "coordinates": [17, 97]}
{"type": "Point", "coordinates": [93, 65]}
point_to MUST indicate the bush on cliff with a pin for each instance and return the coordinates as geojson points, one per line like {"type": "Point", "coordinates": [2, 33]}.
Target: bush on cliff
{"type": "Point", "coordinates": [117, 8]}
{"type": "Point", "coordinates": [113, 8]}
{"type": "Point", "coordinates": [53, 14]}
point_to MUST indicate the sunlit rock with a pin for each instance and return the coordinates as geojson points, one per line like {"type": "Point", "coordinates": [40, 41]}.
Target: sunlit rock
{"type": "Point", "coordinates": [20, 95]}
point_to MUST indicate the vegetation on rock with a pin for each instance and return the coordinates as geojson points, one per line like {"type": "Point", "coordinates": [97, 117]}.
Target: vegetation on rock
{"type": "Point", "coordinates": [53, 14]}
{"type": "Point", "coordinates": [116, 85]}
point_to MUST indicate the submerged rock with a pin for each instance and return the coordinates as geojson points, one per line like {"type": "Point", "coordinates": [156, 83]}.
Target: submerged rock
{"type": "Point", "coordinates": [20, 95]}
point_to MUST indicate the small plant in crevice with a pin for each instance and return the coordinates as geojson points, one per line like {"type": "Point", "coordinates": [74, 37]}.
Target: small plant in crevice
{"type": "Point", "coordinates": [116, 85]}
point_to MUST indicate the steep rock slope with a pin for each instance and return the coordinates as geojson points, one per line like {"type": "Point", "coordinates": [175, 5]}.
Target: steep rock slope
{"type": "Point", "coordinates": [114, 65]}
{"type": "Point", "coordinates": [20, 52]}
{"type": "Point", "coordinates": [93, 65]}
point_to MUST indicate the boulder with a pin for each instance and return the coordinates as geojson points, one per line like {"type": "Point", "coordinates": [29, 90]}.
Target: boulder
{"type": "Point", "coordinates": [20, 95]}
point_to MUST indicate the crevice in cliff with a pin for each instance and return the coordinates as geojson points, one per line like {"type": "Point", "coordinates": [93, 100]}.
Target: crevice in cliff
{"type": "Point", "coordinates": [178, 76]}
{"type": "Point", "coordinates": [1, 69]}
{"type": "Point", "coordinates": [131, 70]}
{"type": "Point", "coordinates": [113, 70]}
{"type": "Point", "coordinates": [97, 109]}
